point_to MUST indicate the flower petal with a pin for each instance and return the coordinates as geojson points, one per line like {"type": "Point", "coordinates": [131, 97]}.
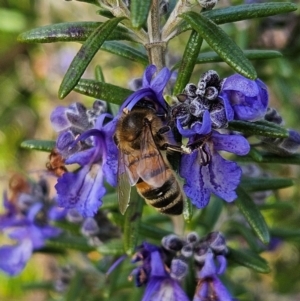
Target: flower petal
{"type": "Point", "coordinates": [82, 190]}
{"type": "Point", "coordinates": [194, 188]}
{"type": "Point", "coordinates": [235, 144]}
{"type": "Point", "coordinates": [148, 74]}
{"type": "Point", "coordinates": [14, 258]}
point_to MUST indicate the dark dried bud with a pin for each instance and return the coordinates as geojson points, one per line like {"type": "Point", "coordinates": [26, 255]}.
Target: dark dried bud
{"type": "Point", "coordinates": [182, 113]}
{"type": "Point", "coordinates": [218, 115]}
{"type": "Point", "coordinates": [211, 93]}
{"type": "Point", "coordinates": [216, 242]}
{"type": "Point", "coordinates": [172, 242]}
{"type": "Point", "coordinates": [187, 250]}
{"type": "Point", "coordinates": [208, 4]}
{"type": "Point", "coordinates": [192, 237]}
{"type": "Point", "coordinates": [190, 90]}
{"type": "Point", "coordinates": [163, 7]}
{"type": "Point", "coordinates": [273, 116]}
{"type": "Point", "coordinates": [200, 251]}
{"type": "Point", "coordinates": [74, 216]}
{"type": "Point", "coordinates": [179, 269]}
{"type": "Point", "coordinates": [198, 106]}
{"type": "Point", "coordinates": [99, 107]}
{"type": "Point", "coordinates": [90, 227]}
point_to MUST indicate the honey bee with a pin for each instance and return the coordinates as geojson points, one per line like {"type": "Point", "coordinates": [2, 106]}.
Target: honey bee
{"type": "Point", "coordinates": [56, 164]}
{"type": "Point", "coordinates": [141, 163]}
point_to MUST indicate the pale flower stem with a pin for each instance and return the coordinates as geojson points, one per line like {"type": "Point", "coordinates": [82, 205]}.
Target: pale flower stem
{"type": "Point", "coordinates": [156, 48]}
{"type": "Point", "coordinates": [119, 9]}
{"type": "Point", "coordinates": [170, 28]}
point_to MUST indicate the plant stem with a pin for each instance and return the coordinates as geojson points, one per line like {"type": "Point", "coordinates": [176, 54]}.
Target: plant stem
{"type": "Point", "coordinates": [156, 48]}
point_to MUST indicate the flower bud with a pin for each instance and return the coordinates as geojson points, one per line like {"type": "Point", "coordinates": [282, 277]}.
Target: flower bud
{"type": "Point", "coordinates": [172, 243]}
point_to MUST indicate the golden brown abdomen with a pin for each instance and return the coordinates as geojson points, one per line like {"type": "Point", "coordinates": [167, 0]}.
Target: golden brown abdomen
{"type": "Point", "coordinates": [167, 199]}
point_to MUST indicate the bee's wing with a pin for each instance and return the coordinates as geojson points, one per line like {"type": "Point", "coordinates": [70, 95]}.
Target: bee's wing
{"type": "Point", "coordinates": [152, 167]}
{"type": "Point", "coordinates": [127, 177]}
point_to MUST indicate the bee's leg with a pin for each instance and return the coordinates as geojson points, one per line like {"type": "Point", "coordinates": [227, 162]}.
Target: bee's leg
{"type": "Point", "coordinates": [180, 149]}
{"type": "Point", "coordinates": [163, 130]}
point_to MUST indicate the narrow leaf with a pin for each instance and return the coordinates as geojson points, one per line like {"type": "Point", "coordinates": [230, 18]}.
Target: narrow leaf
{"type": "Point", "coordinates": [70, 242]}
{"type": "Point", "coordinates": [259, 128]}
{"type": "Point", "coordinates": [286, 234]}
{"type": "Point", "coordinates": [249, 11]}
{"type": "Point", "coordinates": [126, 51]}
{"type": "Point", "coordinates": [99, 76]}
{"type": "Point", "coordinates": [221, 43]}
{"type": "Point", "coordinates": [252, 215]}
{"type": "Point", "coordinates": [85, 55]}
{"type": "Point", "coordinates": [188, 61]}
{"type": "Point", "coordinates": [244, 12]}
{"type": "Point", "coordinates": [187, 210]}
{"type": "Point", "coordinates": [70, 32]}
{"type": "Point", "coordinates": [271, 158]}
{"type": "Point", "coordinates": [248, 235]}
{"type": "Point", "coordinates": [42, 285]}
{"type": "Point", "coordinates": [132, 218]}
{"type": "Point", "coordinates": [249, 259]}
{"type": "Point", "coordinates": [212, 57]}
{"type": "Point", "coordinates": [113, 247]}
{"type": "Point", "coordinates": [276, 206]}
{"type": "Point", "coordinates": [41, 145]}
{"type": "Point", "coordinates": [261, 184]}
{"type": "Point", "coordinates": [107, 92]}
{"type": "Point", "coordinates": [139, 12]}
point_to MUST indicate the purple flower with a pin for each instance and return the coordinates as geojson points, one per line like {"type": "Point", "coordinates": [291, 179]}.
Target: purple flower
{"type": "Point", "coordinates": [152, 88]}
{"type": "Point", "coordinates": [84, 189]}
{"type": "Point", "coordinates": [208, 281]}
{"type": "Point", "coordinates": [27, 221]}
{"type": "Point", "coordinates": [152, 273]}
{"type": "Point", "coordinates": [204, 170]}
{"type": "Point", "coordinates": [244, 99]}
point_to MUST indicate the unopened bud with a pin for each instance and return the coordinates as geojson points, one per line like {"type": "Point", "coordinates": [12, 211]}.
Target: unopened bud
{"type": "Point", "coordinates": [172, 243]}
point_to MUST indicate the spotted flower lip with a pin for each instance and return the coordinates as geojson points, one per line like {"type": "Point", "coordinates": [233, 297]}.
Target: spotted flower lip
{"type": "Point", "coordinates": [205, 171]}
{"type": "Point", "coordinates": [244, 99]}
{"type": "Point", "coordinates": [84, 189]}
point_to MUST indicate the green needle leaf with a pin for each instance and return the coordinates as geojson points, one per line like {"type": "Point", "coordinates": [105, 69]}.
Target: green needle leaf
{"type": "Point", "coordinates": [41, 145]}
{"type": "Point", "coordinates": [70, 242]}
{"type": "Point", "coordinates": [252, 215]}
{"type": "Point", "coordinates": [139, 12]}
{"type": "Point", "coordinates": [271, 158]}
{"type": "Point", "coordinates": [112, 247]}
{"type": "Point", "coordinates": [70, 32]}
{"type": "Point", "coordinates": [261, 184]}
{"type": "Point", "coordinates": [126, 51]}
{"type": "Point", "coordinates": [132, 218]}
{"type": "Point", "coordinates": [85, 55]}
{"type": "Point", "coordinates": [249, 11]}
{"type": "Point", "coordinates": [244, 12]}
{"type": "Point", "coordinates": [188, 61]}
{"type": "Point", "coordinates": [249, 259]}
{"type": "Point", "coordinates": [212, 57]}
{"type": "Point", "coordinates": [221, 43]}
{"type": "Point", "coordinates": [105, 91]}
{"type": "Point", "coordinates": [260, 128]}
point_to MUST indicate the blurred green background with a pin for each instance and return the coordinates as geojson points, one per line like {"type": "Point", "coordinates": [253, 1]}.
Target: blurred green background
{"type": "Point", "coordinates": [30, 76]}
